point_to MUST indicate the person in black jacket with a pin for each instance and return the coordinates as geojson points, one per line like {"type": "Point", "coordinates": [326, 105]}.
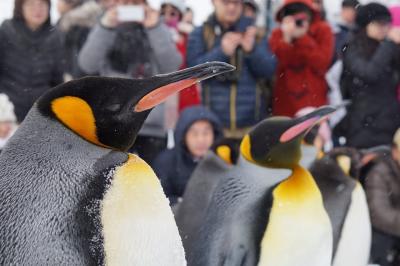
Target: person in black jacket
{"type": "Point", "coordinates": [195, 132]}
{"type": "Point", "coordinates": [370, 80]}
{"type": "Point", "coordinates": [30, 54]}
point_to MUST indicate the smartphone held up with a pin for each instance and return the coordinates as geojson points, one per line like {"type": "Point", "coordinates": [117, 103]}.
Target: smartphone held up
{"type": "Point", "coordinates": [130, 13]}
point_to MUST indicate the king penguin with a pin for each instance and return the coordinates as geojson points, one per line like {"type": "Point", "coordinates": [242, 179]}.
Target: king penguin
{"type": "Point", "coordinates": [191, 211]}
{"type": "Point", "coordinates": [70, 194]}
{"type": "Point", "coordinates": [268, 219]}
{"type": "Point", "coordinates": [345, 201]}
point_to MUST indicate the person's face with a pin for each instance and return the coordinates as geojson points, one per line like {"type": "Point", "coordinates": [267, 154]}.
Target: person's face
{"type": "Point", "coordinates": [249, 11]}
{"type": "Point", "coordinates": [228, 11]}
{"type": "Point", "coordinates": [188, 17]}
{"type": "Point", "coordinates": [378, 30]}
{"type": "Point", "coordinates": [35, 12]}
{"type": "Point", "coordinates": [171, 14]}
{"type": "Point", "coordinates": [63, 7]}
{"type": "Point", "coordinates": [199, 138]}
{"type": "Point", "coordinates": [348, 15]}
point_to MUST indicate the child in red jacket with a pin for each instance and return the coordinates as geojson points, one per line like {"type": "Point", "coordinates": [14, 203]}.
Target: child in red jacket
{"type": "Point", "coordinates": [304, 46]}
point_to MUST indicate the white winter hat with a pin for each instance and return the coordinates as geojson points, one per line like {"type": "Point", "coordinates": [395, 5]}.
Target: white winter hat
{"type": "Point", "coordinates": [179, 4]}
{"type": "Point", "coordinates": [6, 109]}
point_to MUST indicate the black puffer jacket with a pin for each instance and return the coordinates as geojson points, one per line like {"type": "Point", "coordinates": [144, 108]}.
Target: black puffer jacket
{"type": "Point", "coordinates": [30, 63]}
{"type": "Point", "coordinates": [369, 80]}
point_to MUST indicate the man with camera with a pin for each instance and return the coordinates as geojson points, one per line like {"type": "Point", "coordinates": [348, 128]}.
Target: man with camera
{"type": "Point", "coordinates": [230, 37]}
{"type": "Point", "coordinates": [304, 46]}
{"type": "Point", "coordinates": [131, 41]}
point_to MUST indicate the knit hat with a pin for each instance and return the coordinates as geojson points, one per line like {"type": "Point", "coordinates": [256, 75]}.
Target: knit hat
{"type": "Point", "coordinates": [6, 109]}
{"type": "Point", "coordinates": [178, 4]}
{"type": "Point", "coordinates": [372, 12]}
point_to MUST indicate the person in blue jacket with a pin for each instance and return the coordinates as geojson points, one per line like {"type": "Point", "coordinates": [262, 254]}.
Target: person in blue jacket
{"type": "Point", "coordinates": [230, 37]}
{"type": "Point", "coordinates": [195, 132]}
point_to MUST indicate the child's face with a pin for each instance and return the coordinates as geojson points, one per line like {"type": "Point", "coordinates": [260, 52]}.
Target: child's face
{"type": "Point", "coordinates": [199, 138]}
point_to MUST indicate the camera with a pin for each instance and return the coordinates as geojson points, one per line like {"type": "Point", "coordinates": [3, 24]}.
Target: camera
{"type": "Point", "coordinates": [300, 19]}
{"type": "Point", "coordinates": [299, 22]}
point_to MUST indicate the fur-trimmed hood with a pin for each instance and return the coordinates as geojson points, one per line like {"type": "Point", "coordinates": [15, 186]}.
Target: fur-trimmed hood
{"type": "Point", "coordinates": [85, 15]}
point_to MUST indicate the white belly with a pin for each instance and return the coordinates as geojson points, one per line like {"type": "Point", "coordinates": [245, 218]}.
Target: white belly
{"type": "Point", "coordinates": [138, 224]}
{"type": "Point", "coordinates": [299, 232]}
{"type": "Point", "coordinates": [355, 240]}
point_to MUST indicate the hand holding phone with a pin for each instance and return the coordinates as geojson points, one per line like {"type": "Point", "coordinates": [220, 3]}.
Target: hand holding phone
{"type": "Point", "coordinates": [110, 18]}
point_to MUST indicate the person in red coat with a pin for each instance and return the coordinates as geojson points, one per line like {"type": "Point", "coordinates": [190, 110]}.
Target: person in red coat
{"type": "Point", "coordinates": [304, 46]}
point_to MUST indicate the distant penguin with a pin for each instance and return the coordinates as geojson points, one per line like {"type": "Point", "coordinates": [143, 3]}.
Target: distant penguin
{"type": "Point", "coordinates": [70, 194]}
{"type": "Point", "coordinates": [346, 203]}
{"type": "Point", "coordinates": [218, 163]}
{"type": "Point", "coordinates": [270, 219]}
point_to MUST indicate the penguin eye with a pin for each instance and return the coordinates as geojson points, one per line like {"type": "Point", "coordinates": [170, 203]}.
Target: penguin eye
{"type": "Point", "coordinates": [113, 107]}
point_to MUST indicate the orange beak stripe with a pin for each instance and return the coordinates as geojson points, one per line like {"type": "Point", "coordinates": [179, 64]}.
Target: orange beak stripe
{"type": "Point", "coordinates": [159, 95]}
{"type": "Point", "coordinates": [296, 130]}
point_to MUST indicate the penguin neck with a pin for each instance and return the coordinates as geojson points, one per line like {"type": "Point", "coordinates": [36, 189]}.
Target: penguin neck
{"type": "Point", "coordinates": [300, 183]}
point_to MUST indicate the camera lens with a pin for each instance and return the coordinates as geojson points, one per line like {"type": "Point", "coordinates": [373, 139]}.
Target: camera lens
{"type": "Point", "coordinates": [299, 22]}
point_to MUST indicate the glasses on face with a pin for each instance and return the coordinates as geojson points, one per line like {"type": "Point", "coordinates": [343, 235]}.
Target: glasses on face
{"type": "Point", "coordinates": [233, 2]}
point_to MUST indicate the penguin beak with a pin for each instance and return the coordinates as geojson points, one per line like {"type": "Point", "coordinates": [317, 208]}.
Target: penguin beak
{"type": "Point", "coordinates": [303, 124]}
{"type": "Point", "coordinates": [169, 84]}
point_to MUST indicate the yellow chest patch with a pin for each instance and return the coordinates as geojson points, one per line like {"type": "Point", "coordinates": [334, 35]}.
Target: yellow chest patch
{"type": "Point", "coordinates": [138, 225]}
{"type": "Point", "coordinates": [299, 230]}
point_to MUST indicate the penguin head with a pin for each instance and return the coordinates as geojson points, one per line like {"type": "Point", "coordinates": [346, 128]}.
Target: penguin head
{"type": "Point", "coordinates": [276, 141]}
{"type": "Point", "coordinates": [109, 112]}
{"type": "Point", "coordinates": [227, 149]}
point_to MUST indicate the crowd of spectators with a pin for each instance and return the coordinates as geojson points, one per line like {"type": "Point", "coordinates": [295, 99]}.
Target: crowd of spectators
{"type": "Point", "coordinates": [305, 62]}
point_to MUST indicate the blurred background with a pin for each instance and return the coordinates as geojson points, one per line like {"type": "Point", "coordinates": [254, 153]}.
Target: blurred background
{"type": "Point", "coordinates": [201, 8]}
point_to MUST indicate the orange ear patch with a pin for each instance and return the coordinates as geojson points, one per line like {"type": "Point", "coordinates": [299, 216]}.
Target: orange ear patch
{"type": "Point", "coordinates": [224, 152]}
{"type": "Point", "coordinates": [77, 115]}
{"type": "Point", "coordinates": [245, 147]}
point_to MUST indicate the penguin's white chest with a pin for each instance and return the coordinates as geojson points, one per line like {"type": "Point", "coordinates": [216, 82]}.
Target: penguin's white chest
{"type": "Point", "coordinates": [299, 231]}
{"type": "Point", "coordinates": [138, 225]}
{"type": "Point", "coordinates": [355, 240]}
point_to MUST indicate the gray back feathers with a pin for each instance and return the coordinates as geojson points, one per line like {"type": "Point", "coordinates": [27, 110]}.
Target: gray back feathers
{"type": "Point", "coordinates": [45, 175]}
